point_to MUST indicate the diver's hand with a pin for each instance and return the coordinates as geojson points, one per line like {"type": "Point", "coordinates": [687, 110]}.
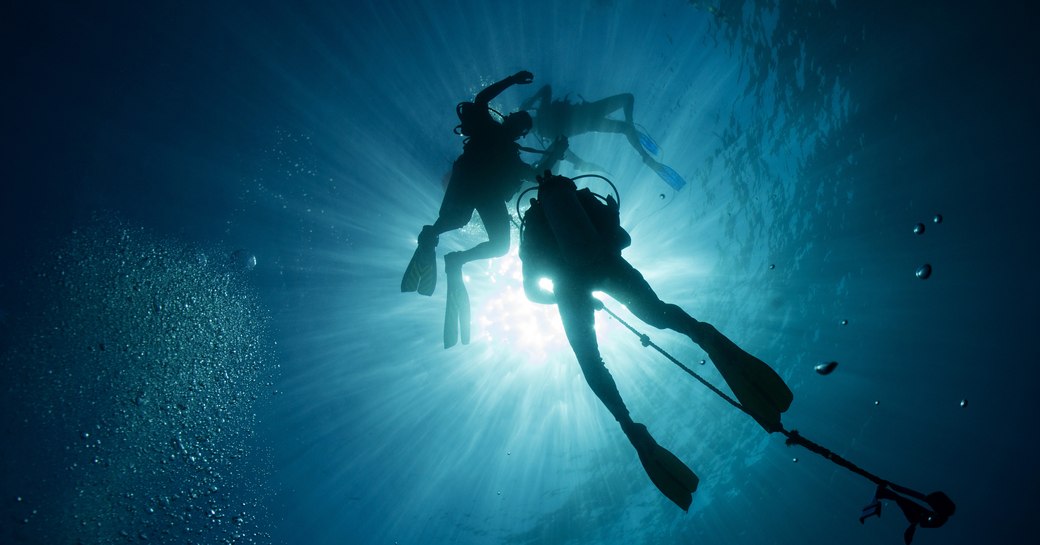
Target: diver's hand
{"type": "Point", "coordinates": [522, 77]}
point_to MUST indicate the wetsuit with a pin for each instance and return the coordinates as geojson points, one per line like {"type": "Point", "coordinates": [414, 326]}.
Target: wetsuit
{"type": "Point", "coordinates": [483, 178]}
{"type": "Point", "coordinates": [572, 293]}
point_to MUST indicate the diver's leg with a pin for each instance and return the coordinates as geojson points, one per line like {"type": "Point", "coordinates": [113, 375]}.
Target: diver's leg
{"type": "Point", "coordinates": [668, 473]}
{"type": "Point", "coordinates": [626, 284]}
{"type": "Point", "coordinates": [577, 313]}
{"type": "Point", "coordinates": [495, 217]}
{"type": "Point", "coordinates": [430, 234]}
{"type": "Point", "coordinates": [457, 308]}
{"type": "Point", "coordinates": [452, 216]}
{"type": "Point", "coordinates": [606, 106]}
{"type": "Point", "coordinates": [628, 129]}
{"type": "Point", "coordinates": [759, 389]}
{"type": "Point", "coordinates": [596, 115]}
{"type": "Point", "coordinates": [456, 209]}
{"type": "Point", "coordinates": [421, 273]}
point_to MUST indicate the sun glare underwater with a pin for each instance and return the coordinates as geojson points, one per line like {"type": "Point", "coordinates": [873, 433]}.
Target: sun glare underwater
{"type": "Point", "coordinates": [209, 208]}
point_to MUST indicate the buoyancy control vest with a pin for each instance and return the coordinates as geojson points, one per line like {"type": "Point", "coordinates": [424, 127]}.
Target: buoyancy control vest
{"type": "Point", "coordinates": [570, 227]}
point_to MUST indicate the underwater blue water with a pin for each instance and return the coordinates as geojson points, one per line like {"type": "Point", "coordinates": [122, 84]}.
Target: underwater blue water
{"type": "Point", "coordinates": [161, 386]}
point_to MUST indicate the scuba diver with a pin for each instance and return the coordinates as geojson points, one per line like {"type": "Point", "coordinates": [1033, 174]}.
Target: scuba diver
{"type": "Point", "coordinates": [555, 118]}
{"type": "Point", "coordinates": [574, 238]}
{"type": "Point", "coordinates": [483, 178]}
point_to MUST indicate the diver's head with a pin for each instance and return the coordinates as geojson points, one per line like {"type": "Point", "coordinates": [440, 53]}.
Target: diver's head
{"type": "Point", "coordinates": [517, 124]}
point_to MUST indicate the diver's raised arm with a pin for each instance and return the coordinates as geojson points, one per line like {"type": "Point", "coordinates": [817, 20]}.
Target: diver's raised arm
{"type": "Point", "coordinates": [485, 96]}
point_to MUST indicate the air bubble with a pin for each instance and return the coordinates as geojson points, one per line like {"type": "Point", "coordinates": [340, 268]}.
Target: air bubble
{"type": "Point", "coordinates": [826, 368]}
{"type": "Point", "coordinates": [844, 322]}
{"type": "Point", "coordinates": [919, 229]}
{"type": "Point", "coordinates": [937, 219]}
{"type": "Point", "coordinates": [924, 271]}
{"type": "Point", "coordinates": [964, 403]}
{"type": "Point", "coordinates": [243, 260]}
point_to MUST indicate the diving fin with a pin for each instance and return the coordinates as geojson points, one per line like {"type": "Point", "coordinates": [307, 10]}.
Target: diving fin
{"type": "Point", "coordinates": [760, 391]}
{"type": "Point", "coordinates": [464, 317]}
{"type": "Point", "coordinates": [456, 310]}
{"type": "Point", "coordinates": [451, 323]}
{"type": "Point", "coordinates": [648, 143]}
{"type": "Point", "coordinates": [676, 481]}
{"type": "Point", "coordinates": [665, 172]}
{"type": "Point", "coordinates": [670, 176]}
{"type": "Point", "coordinates": [421, 273]}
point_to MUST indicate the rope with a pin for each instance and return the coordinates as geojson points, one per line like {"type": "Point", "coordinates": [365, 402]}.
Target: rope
{"type": "Point", "coordinates": [646, 342]}
{"type": "Point", "coordinates": [942, 506]}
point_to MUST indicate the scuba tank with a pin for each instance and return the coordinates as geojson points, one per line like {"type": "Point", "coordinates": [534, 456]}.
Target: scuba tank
{"type": "Point", "coordinates": [470, 118]}
{"type": "Point", "coordinates": [569, 227]}
{"type": "Point", "coordinates": [467, 112]}
{"type": "Point", "coordinates": [579, 241]}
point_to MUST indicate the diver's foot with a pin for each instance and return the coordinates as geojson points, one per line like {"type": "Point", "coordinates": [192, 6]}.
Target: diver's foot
{"type": "Point", "coordinates": [711, 341]}
{"type": "Point", "coordinates": [639, 436]}
{"type": "Point", "coordinates": [428, 237]}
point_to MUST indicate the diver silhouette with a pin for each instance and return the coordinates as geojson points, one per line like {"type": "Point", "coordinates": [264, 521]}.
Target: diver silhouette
{"type": "Point", "coordinates": [483, 178]}
{"type": "Point", "coordinates": [574, 238]}
{"type": "Point", "coordinates": [554, 118]}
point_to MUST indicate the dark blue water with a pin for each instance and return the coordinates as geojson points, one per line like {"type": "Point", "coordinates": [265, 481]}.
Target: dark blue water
{"type": "Point", "coordinates": [159, 388]}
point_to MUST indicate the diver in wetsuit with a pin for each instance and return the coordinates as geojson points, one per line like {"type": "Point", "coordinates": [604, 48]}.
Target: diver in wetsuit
{"type": "Point", "coordinates": [483, 178]}
{"type": "Point", "coordinates": [575, 239]}
{"type": "Point", "coordinates": [554, 118]}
